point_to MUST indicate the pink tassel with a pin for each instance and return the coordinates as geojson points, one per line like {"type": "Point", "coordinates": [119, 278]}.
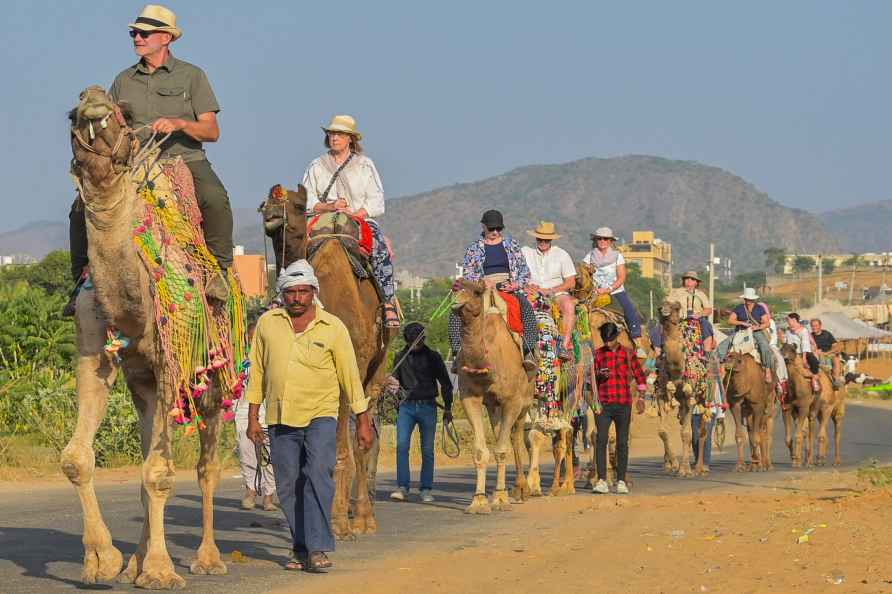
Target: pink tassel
{"type": "Point", "coordinates": [228, 416]}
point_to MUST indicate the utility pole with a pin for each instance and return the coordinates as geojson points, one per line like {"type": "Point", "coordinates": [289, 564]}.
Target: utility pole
{"type": "Point", "coordinates": [820, 278]}
{"type": "Point", "coordinates": [651, 304]}
{"type": "Point", "coordinates": [712, 279]}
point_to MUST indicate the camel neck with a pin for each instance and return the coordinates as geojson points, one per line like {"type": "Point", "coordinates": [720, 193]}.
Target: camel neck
{"type": "Point", "coordinates": [473, 341]}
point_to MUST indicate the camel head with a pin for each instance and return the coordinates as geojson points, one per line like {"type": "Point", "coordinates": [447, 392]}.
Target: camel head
{"type": "Point", "coordinates": [788, 352]}
{"type": "Point", "coordinates": [100, 138]}
{"type": "Point", "coordinates": [468, 298]}
{"type": "Point", "coordinates": [584, 284]}
{"type": "Point", "coordinates": [670, 312]}
{"type": "Point", "coordinates": [285, 221]}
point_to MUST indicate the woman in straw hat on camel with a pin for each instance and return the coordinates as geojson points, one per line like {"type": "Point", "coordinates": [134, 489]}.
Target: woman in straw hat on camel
{"type": "Point", "coordinates": [343, 179]}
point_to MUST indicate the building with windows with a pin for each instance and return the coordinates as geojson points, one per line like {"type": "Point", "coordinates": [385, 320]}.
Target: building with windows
{"type": "Point", "coordinates": [652, 255]}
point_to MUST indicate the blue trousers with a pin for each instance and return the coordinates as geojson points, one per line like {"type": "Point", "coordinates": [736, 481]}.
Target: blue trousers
{"type": "Point", "coordinates": [303, 460]}
{"type": "Point", "coordinates": [423, 414]}
{"type": "Point", "coordinates": [629, 311]}
{"type": "Point", "coordinates": [707, 446]}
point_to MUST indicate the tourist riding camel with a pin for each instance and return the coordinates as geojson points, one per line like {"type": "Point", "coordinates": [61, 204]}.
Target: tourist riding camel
{"type": "Point", "coordinates": [827, 351]}
{"type": "Point", "coordinates": [695, 305]}
{"type": "Point", "coordinates": [497, 260]}
{"type": "Point", "coordinates": [167, 96]}
{"type": "Point", "coordinates": [799, 336]}
{"type": "Point", "coordinates": [749, 315]}
{"type": "Point", "coordinates": [609, 274]}
{"type": "Point", "coordinates": [553, 274]}
{"type": "Point", "coordinates": [345, 180]}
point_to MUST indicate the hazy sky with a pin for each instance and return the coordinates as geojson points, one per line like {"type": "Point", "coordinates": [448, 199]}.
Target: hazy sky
{"type": "Point", "coordinates": [792, 96]}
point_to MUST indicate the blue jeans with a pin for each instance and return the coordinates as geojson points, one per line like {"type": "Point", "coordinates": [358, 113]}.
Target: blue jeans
{"type": "Point", "coordinates": [303, 460]}
{"type": "Point", "coordinates": [423, 414]}
{"type": "Point", "coordinates": [695, 442]}
{"type": "Point", "coordinates": [630, 313]}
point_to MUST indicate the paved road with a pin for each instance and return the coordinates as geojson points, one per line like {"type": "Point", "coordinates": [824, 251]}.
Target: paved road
{"type": "Point", "coordinates": [40, 532]}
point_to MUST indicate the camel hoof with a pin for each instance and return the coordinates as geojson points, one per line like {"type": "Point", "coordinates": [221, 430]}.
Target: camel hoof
{"type": "Point", "coordinates": [340, 528]}
{"type": "Point", "coordinates": [101, 565]}
{"type": "Point", "coordinates": [364, 525]}
{"type": "Point", "coordinates": [500, 501]}
{"type": "Point", "coordinates": [160, 580]}
{"type": "Point", "coordinates": [685, 472]}
{"type": "Point", "coordinates": [208, 567]}
{"type": "Point", "coordinates": [740, 468]}
{"type": "Point", "coordinates": [479, 505]}
{"type": "Point", "coordinates": [520, 494]}
{"type": "Point", "coordinates": [535, 491]}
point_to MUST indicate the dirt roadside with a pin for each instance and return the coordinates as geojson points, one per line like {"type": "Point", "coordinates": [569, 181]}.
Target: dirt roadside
{"type": "Point", "coordinates": [737, 542]}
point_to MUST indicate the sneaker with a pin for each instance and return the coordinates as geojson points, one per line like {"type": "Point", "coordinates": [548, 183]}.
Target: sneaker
{"type": "Point", "coordinates": [400, 494]}
{"type": "Point", "coordinates": [427, 496]}
{"type": "Point", "coordinates": [641, 353]}
{"type": "Point", "coordinates": [600, 487]}
{"type": "Point", "coordinates": [218, 287]}
{"type": "Point", "coordinates": [248, 499]}
{"type": "Point", "coordinates": [622, 488]}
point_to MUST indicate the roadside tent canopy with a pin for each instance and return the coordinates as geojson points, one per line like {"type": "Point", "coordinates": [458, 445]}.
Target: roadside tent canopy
{"type": "Point", "coordinates": [845, 328]}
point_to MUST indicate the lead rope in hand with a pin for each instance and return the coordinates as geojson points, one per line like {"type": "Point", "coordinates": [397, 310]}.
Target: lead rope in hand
{"type": "Point", "coordinates": [261, 453]}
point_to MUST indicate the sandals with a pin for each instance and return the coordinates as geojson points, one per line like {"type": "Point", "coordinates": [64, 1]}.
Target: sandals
{"type": "Point", "coordinates": [316, 562]}
{"type": "Point", "coordinates": [391, 317]}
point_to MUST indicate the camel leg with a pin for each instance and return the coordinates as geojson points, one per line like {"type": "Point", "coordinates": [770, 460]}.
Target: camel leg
{"type": "Point", "coordinates": [823, 422]}
{"type": "Point", "coordinates": [768, 440]}
{"type": "Point", "coordinates": [507, 415]}
{"type": "Point", "coordinates": [207, 559]}
{"type": "Point", "coordinates": [611, 456]}
{"type": "Point", "coordinates": [684, 418]}
{"type": "Point", "coordinates": [345, 468]}
{"type": "Point", "coordinates": [95, 376]}
{"type": "Point", "coordinates": [670, 462]}
{"type": "Point", "coordinates": [568, 486]}
{"type": "Point", "coordinates": [591, 432]}
{"type": "Point", "coordinates": [473, 406]}
{"type": "Point", "coordinates": [756, 432]}
{"type": "Point", "coordinates": [537, 441]}
{"type": "Point", "coordinates": [700, 467]}
{"type": "Point", "coordinates": [157, 571]}
{"type": "Point", "coordinates": [789, 430]}
{"type": "Point", "coordinates": [364, 521]}
{"type": "Point", "coordinates": [521, 490]}
{"type": "Point", "coordinates": [812, 426]}
{"type": "Point", "coordinates": [839, 416]}
{"type": "Point", "coordinates": [559, 453]}
{"type": "Point", "coordinates": [800, 429]}
{"type": "Point", "coordinates": [739, 437]}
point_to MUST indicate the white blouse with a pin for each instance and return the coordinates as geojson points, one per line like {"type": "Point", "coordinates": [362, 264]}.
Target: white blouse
{"type": "Point", "coordinates": [358, 183]}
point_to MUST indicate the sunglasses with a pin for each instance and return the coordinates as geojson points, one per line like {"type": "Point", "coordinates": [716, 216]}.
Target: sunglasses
{"type": "Point", "coordinates": [494, 228]}
{"type": "Point", "coordinates": [142, 34]}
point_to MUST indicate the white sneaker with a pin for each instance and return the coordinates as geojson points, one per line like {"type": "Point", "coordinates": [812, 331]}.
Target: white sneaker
{"type": "Point", "coordinates": [399, 495]}
{"type": "Point", "coordinates": [600, 487]}
{"type": "Point", "coordinates": [427, 496]}
{"type": "Point", "coordinates": [621, 488]}
{"type": "Point", "coordinates": [641, 353]}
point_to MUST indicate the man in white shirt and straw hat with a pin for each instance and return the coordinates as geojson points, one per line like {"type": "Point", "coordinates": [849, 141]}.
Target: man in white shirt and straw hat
{"type": "Point", "coordinates": [553, 274]}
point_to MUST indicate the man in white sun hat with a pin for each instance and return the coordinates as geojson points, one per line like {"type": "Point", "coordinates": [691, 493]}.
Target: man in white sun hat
{"type": "Point", "coordinates": [173, 97]}
{"type": "Point", "coordinates": [553, 274]}
{"type": "Point", "coordinates": [752, 315]}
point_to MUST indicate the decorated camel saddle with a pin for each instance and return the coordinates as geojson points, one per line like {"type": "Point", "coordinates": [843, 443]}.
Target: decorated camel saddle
{"type": "Point", "coordinates": [559, 379]}
{"type": "Point", "coordinates": [744, 343]}
{"type": "Point", "coordinates": [201, 343]}
{"type": "Point", "coordinates": [353, 233]}
{"type": "Point", "coordinates": [508, 307]}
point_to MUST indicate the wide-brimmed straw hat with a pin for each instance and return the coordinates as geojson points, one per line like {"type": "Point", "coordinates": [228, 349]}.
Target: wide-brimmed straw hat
{"type": "Point", "coordinates": [693, 275]}
{"type": "Point", "coordinates": [749, 294]}
{"type": "Point", "coordinates": [155, 17]}
{"type": "Point", "coordinates": [345, 124]}
{"type": "Point", "coordinates": [603, 232]}
{"type": "Point", "coordinates": [545, 230]}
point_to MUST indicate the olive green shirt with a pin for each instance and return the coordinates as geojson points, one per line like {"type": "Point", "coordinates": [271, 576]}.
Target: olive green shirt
{"type": "Point", "coordinates": [176, 89]}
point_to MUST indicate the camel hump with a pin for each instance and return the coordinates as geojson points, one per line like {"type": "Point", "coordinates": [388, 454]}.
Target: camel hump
{"type": "Point", "coordinates": [506, 305]}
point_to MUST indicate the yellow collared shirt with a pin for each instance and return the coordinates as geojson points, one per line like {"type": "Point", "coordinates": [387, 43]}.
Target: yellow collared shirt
{"type": "Point", "coordinates": [300, 375]}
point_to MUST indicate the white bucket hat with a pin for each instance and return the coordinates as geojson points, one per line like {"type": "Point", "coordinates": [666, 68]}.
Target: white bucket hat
{"type": "Point", "coordinates": [749, 294]}
{"type": "Point", "coordinates": [345, 124]}
{"type": "Point", "coordinates": [155, 17]}
{"type": "Point", "coordinates": [605, 232]}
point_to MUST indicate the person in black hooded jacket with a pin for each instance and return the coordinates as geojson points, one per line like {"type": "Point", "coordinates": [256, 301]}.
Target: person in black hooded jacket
{"type": "Point", "coordinates": [421, 375]}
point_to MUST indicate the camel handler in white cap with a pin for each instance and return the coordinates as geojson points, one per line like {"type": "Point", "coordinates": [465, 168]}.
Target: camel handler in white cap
{"type": "Point", "coordinates": [301, 360]}
{"type": "Point", "coordinates": [174, 97]}
{"type": "Point", "coordinates": [553, 274]}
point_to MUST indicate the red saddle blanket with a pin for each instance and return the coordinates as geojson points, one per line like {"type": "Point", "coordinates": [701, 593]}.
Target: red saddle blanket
{"type": "Point", "coordinates": [515, 323]}
{"type": "Point", "coordinates": [342, 225]}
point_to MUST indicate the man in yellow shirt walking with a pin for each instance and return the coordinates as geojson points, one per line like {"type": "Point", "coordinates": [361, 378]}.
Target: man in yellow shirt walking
{"type": "Point", "coordinates": [301, 360]}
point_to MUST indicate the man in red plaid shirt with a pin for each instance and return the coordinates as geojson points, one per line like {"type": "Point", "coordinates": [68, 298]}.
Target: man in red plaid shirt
{"type": "Point", "coordinates": [615, 368]}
